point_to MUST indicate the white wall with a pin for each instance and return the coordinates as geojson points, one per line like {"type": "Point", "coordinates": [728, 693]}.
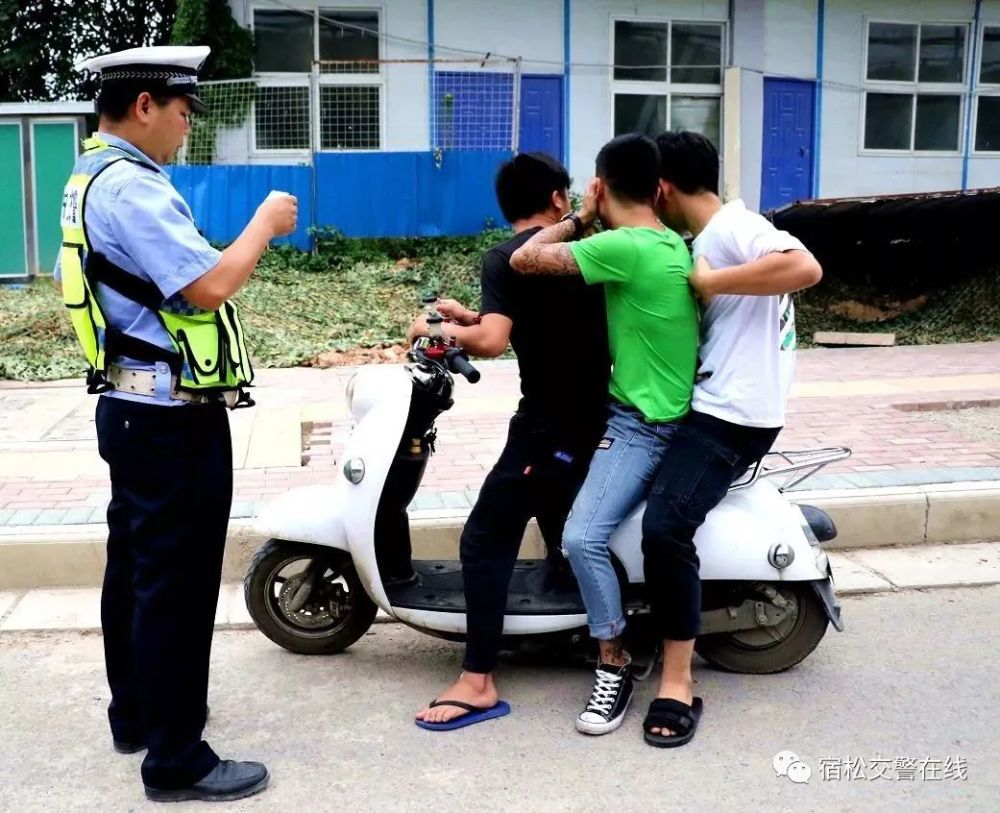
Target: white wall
{"type": "Point", "coordinates": [530, 29]}
{"type": "Point", "coordinates": [845, 171]}
{"type": "Point", "coordinates": [591, 108]}
{"type": "Point", "coordinates": [789, 38]}
{"type": "Point", "coordinates": [749, 32]}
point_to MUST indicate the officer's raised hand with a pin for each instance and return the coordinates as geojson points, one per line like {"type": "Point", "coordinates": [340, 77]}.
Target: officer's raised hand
{"type": "Point", "coordinates": [279, 213]}
{"type": "Point", "coordinates": [275, 217]}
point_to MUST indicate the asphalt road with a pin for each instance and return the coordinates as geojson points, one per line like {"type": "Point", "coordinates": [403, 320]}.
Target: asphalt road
{"type": "Point", "coordinates": [914, 677]}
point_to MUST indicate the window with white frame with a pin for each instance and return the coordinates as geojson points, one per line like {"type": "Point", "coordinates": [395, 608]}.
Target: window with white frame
{"type": "Point", "coordinates": [668, 75]}
{"type": "Point", "coordinates": [988, 92]}
{"type": "Point", "coordinates": [342, 108]}
{"type": "Point", "coordinates": [915, 81]}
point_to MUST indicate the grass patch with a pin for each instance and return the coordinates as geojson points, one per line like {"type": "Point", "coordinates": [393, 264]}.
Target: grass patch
{"type": "Point", "coordinates": [36, 341]}
{"type": "Point", "coordinates": [364, 293]}
{"type": "Point", "coordinates": [350, 293]}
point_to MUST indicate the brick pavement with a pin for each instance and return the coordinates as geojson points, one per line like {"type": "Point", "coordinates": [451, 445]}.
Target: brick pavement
{"type": "Point", "coordinates": [867, 399]}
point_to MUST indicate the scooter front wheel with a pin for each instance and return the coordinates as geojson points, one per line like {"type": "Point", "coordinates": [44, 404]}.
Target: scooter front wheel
{"type": "Point", "coordinates": [307, 598]}
{"type": "Point", "coordinates": [770, 649]}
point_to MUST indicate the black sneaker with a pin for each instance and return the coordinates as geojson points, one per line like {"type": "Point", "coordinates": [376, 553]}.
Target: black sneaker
{"type": "Point", "coordinates": [608, 701]}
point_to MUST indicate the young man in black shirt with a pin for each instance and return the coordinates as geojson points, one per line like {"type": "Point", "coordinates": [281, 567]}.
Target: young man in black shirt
{"type": "Point", "coordinates": [557, 328]}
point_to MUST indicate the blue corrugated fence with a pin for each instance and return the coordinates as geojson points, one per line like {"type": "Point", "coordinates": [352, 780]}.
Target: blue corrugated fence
{"type": "Point", "coordinates": [387, 194]}
{"type": "Point", "coordinates": [407, 194]}
{"type": "Point", "coordinates": [223, 198]}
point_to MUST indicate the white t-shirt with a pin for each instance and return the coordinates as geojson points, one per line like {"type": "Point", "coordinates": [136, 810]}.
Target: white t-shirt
{"type": "Point", "coordinates": [747, 354]}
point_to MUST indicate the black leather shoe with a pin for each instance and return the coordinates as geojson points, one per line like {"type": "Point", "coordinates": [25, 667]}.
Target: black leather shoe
{"type": "Point", "coordinates": [226, 782]}
{"type": "Point", "coordinates": [135, 746]}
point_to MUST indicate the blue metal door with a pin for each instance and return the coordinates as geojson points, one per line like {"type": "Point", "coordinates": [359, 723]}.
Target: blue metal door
{"type": "Point", "coordinates": [541, 115]}
{"type": "Point", "coordinates": [787, 171]}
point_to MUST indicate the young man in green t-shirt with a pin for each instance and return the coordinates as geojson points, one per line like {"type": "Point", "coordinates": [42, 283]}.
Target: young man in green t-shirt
{"type": "Point", "coordinates": [653, 333]}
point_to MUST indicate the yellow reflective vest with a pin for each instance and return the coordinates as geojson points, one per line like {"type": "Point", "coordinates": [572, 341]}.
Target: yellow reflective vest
{"type": "Point", "coordinates": [209, 352]}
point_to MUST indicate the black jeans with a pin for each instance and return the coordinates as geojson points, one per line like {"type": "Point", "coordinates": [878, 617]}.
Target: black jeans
{"type": "Point", "coordinates": [705, 457]}
{"type": "Point", "coordinates": [536, 476]}
{"type": "Point", "coordinates": [171, 491]}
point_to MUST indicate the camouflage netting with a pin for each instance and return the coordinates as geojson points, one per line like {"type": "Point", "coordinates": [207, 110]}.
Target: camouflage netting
{"type": "Point", "coordinates": [957, 308]}
{"type": "Point", "coordinates": [929, 276]}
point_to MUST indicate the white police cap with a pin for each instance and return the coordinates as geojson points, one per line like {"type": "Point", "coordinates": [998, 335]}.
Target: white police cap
{"type": "Point", "coordinates": [168, 69]}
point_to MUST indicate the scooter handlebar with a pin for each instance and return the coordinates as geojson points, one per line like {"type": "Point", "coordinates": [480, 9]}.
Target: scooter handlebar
{"type": "Point", "coordinates": [458, 363]}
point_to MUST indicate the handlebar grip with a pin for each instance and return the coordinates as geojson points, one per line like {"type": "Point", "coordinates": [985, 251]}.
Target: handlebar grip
{"type": "Point", "coordinates": [460, 364]}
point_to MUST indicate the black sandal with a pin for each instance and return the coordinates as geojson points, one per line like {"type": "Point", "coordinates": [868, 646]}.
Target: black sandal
{"type": "Point", "coordinates": [679, 717]}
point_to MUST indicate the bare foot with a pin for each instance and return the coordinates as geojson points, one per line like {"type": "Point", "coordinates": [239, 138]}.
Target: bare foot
{"type": "Point", "coordinates": [472, 688]}
{"type": "Point", "coordinates": [682, 691]}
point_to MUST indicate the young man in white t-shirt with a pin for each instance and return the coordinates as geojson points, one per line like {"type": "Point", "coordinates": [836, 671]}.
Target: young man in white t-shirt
{"type": "Point", "coordinates": [745, 272]}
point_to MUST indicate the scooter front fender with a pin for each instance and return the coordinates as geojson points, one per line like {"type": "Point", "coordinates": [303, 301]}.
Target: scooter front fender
{"type": "Point", "coordinates": [311, 514]}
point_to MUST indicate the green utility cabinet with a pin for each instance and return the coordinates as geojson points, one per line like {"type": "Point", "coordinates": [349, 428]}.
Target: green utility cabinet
{"type": "Point", "coordinates": [38, 146]}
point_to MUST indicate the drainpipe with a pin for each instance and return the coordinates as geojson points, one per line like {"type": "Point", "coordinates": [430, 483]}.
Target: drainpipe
{"type": "Point", "coordinates": [818, 106]}
{"type": "Point", "coordinates": [430, 72]}
{"type": "Point", "coordinates": [970, 96]}
{"type": "Point", "coordinates": [567, 44]}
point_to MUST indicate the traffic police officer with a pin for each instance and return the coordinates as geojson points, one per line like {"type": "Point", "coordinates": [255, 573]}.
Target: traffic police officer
{"type": "Point", "coordinates": [149, 301]}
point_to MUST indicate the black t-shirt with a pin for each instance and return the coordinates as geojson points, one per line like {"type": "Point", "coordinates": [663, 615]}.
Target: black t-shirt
{"type": "Point", "coordinates": [560, 337]}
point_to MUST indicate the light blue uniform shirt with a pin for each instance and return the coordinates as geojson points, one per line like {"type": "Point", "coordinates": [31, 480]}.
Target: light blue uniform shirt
{"type": "Point", "coordinates": [139, 221]}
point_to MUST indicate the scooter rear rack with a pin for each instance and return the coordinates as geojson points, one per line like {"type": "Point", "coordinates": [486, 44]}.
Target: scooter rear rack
{"type": "Point", "coordinates": [794, 465]}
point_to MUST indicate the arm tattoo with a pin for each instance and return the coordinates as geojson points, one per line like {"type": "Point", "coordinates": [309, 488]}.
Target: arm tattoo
{"type": "Point", "coordinates": [561, 232]}
{"type": "Point", "coordinates": [547, 259]}
{"type": "Point", "coordinates": [547, 252]}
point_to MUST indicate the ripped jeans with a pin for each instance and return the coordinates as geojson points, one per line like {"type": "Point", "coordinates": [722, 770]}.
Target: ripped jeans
{"type": "Point", "coordinates": [619, 478]}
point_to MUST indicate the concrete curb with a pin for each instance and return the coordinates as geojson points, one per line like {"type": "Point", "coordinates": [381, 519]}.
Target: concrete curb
{"type": "Point", "coordinates": [73, 555]}
{"type": "Point", "coordinates": [858, 572]}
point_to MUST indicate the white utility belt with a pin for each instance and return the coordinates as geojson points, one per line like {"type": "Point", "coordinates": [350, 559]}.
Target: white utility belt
{"type": "Point", "coordinates": [143, 382]}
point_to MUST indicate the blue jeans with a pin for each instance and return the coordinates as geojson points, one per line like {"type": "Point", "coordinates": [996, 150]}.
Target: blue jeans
{"type": "Point", "coordinates": [619, 478]}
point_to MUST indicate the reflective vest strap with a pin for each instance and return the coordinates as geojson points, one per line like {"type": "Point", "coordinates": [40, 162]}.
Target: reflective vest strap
{"type": "Point", "coordinates": [145, 293]}
{"type": "Point", "coordinates": [121, 344]}
{"type": "Point", "coordinates": [96, 145]}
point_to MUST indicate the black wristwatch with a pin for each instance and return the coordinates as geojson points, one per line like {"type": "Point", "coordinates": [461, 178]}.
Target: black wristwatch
{"type": "Point", "coordinates": [577, 224]}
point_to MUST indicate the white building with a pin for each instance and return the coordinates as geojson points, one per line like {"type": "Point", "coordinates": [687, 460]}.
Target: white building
{"type": "Point", "coordinates": [823, 97]}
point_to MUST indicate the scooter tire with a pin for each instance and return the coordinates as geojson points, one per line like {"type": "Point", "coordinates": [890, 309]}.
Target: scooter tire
{"type": "Point", "coordinates": [258, 585]}
{"type": "Point", "coordinates": [726, 652]}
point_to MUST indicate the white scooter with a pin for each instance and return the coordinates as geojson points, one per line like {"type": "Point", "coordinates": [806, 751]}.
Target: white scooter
{"type": "Point", "coordinates": [338, 553]}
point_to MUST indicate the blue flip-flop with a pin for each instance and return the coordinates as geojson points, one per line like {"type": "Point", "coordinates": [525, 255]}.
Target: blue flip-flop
{"type": "Point", "coordinates": [476, 714]}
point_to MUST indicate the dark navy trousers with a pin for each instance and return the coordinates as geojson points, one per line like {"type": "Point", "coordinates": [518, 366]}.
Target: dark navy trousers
{"type": "Point", "coordinates": [171, 491]}
{"type": "Point", "coordinates": [706, 456]}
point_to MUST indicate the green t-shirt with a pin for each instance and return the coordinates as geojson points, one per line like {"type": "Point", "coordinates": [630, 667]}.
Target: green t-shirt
{"type": "Point", "coordinates": [652, 316]}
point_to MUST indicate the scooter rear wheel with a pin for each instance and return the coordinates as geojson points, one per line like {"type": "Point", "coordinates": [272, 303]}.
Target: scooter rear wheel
{"type": "Point", "coordinates": [306, 598]}
{"type": "Point", "coordinates": [774, 649]}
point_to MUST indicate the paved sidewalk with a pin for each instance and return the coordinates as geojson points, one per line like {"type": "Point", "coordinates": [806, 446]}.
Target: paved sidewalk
{"type": "Point", "coordinates": [895, 407]}
{"type": "Point", "coordinates": [861, 571]}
